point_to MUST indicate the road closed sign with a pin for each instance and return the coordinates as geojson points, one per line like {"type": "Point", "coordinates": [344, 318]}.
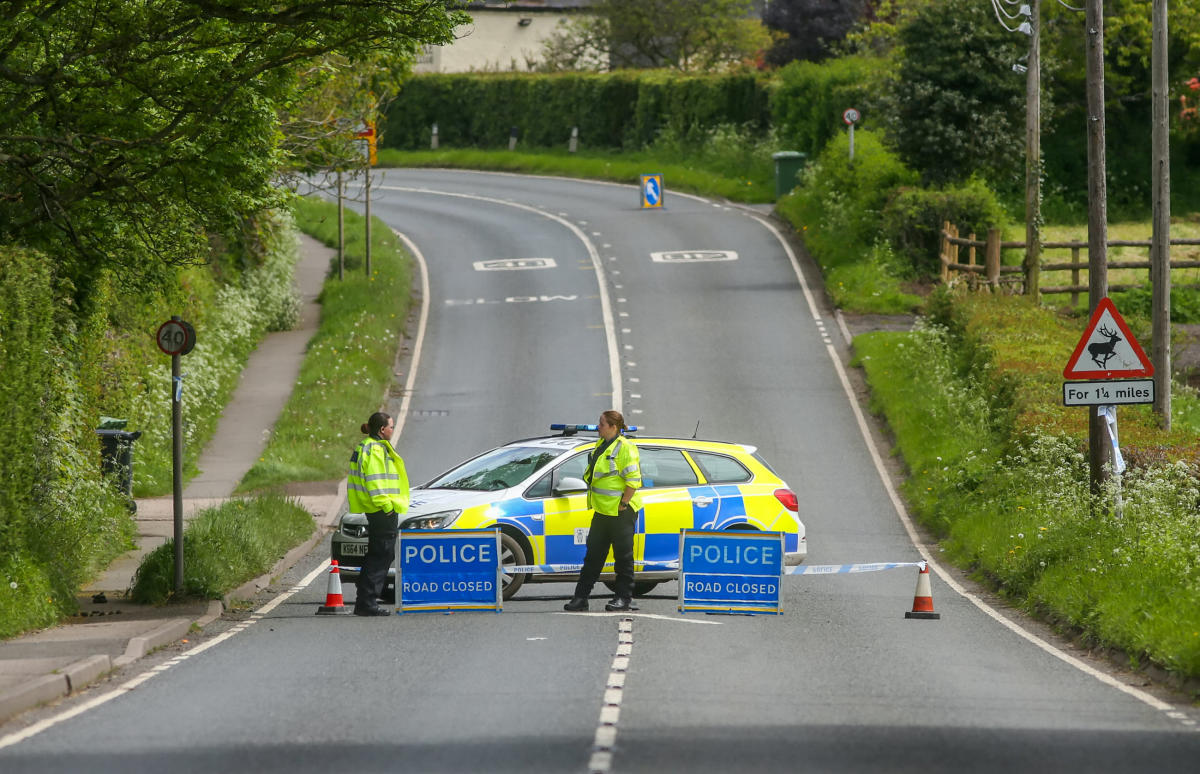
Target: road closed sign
{"type": "Point", "coordinates": [447, 571]}
{"type": "Point", "coordinates": [730, 572]}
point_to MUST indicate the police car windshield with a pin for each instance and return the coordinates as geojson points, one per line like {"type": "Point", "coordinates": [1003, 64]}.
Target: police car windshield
{"type": "Point", "coordinates": [498, 469]}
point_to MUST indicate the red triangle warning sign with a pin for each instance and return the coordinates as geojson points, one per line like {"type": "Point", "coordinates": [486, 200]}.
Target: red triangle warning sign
{"type": "Point", "coordinates": [1107, 350]}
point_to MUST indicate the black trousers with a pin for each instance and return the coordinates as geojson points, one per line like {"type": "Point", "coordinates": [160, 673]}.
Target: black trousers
{"type": "Point", "coordinates": [381, 552]}
{"type": "Point", "coordinates": [615, 532]}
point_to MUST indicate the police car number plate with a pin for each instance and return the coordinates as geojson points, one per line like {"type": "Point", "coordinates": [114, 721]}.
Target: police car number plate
{"type": "Point", "coordinates": [354, 549]}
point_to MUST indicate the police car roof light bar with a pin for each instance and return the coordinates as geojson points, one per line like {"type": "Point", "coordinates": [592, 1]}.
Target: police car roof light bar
{"type": "Point", "coordinates": [572, 429]}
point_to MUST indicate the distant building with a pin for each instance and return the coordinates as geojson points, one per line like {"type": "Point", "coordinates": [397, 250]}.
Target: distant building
{"type": "Point", "coordinates": [503, 37]}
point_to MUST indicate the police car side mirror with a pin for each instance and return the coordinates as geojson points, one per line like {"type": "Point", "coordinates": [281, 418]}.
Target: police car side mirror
{"type": "Point", "coordinates": [569, 485]}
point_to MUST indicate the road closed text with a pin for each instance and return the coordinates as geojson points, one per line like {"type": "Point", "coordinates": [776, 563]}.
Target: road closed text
{"type": "Point", "coordinates": [741, 588]}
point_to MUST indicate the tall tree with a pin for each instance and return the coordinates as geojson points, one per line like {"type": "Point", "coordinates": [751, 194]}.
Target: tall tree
{"type": "Point", "coordinates": [955, 108]}
{"type": "Point", "coordinates": [685, 35]}
{"type": "Point", "coordinates": [813, 27]}
{"type": "Point", "coordinates": [129, 130]}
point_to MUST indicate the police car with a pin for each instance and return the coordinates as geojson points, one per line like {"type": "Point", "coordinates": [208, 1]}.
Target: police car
{"type": "Point", "coordinates": [533, 491]}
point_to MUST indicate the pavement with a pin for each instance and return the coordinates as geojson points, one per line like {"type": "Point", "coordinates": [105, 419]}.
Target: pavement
{"type": "Point", "coordinates": [110, 631]}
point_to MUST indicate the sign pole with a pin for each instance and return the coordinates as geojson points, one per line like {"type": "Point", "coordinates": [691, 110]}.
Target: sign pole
{"type": "Point", "coordinates": [1098, 445]}
{"type": "Point", "coordinates": [177, 463]}
{"type": "Point", "coordinates": [177, 337]}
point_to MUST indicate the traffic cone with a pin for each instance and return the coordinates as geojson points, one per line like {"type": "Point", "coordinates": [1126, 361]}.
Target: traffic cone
{"type": "Point", "coordinates": [923, 598]}
{"type": "Point", "coordinates": [333, 596]}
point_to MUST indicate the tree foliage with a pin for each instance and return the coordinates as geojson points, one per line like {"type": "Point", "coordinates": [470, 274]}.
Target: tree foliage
{"type": "Point", "coordinates": [812, 27]}
{"type": "Point", "coordinates": [955, 107]}
{"type": "Point", "coordinates": [130, 130]}
{"type": "Point", "coordinates": [684, 35]}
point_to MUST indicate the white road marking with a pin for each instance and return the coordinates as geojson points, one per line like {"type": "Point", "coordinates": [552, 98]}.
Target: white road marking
{"type": "Point", "coordinates": [414, 366]}
{"type": "Point", "coordinates": [606, 731]}
{"type": "Point", "coordinates": [593, 254]}
{"type": "Point", "coordinates": [131, 684]}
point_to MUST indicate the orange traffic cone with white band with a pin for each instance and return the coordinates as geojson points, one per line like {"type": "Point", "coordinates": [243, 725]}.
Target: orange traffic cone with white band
{"type": "Point", "coordinates": [333, 596]}
{"type": "Point", "coordinates": [923, 598]}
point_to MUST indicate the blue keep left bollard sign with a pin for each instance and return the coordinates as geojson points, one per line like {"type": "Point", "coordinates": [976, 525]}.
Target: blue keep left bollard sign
{"type": "Point", "coordinates": [448, 571]}
{"type": "Point", "coordinates": [731, 572]}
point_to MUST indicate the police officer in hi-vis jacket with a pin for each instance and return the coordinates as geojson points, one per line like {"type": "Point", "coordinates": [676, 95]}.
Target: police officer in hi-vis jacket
{"type": "Point", "coordinates": [613, 477]}
{"type": "Point", "coordinates": [378, 487]}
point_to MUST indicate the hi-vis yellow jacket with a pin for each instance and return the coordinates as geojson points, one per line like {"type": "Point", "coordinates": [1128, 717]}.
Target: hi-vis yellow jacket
{"type": "Point", "coordinates": [616, 469]}
{"type": "Point", "coordinates": [377, 480]}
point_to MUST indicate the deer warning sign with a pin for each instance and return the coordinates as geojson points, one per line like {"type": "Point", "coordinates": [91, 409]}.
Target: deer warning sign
{"type": "Point", "coordinates": [1107, 350]}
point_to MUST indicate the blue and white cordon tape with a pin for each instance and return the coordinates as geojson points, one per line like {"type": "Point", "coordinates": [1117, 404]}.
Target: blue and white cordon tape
{"type": "Point", "coordinates": [838, 569]}
{"type": "Point", "coordinates": [812, 569]}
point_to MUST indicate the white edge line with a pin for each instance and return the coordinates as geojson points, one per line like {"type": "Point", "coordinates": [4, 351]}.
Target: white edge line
{"type": "Point", "coordinates": [902, 512]}
{"type": "Point", "coordinates": [614, 363]}
{"type": "Point", "coordinates": [411, 380]}
{"type": "Point", "coordinates": [129, 685]}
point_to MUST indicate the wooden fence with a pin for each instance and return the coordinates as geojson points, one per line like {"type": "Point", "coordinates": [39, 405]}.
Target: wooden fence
{"type": "Point", "coordinates": [992, 274]}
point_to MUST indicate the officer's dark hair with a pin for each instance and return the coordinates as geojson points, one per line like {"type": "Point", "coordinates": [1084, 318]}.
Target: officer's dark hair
{"type": "Point", "coordinates": [614, 418]}
{"type": "Point", "coordinates": [377, 422]}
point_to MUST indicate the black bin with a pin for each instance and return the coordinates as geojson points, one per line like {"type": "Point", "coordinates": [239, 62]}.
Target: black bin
{"type": "Point", "coordinates": [116, 454]}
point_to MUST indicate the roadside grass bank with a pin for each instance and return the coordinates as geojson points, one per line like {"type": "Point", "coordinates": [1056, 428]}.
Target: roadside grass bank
{"type": "Point", "coordinates": [731, 164]}
{"type": "Point", "coordinates": [223, 547]}
{"type": "Point", "coordinates": [350, 359]}
{"type": "Point", "coordinates": [997, 470]}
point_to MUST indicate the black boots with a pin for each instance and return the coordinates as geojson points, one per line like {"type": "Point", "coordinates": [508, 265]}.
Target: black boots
{"type": "Point", "coordinates": [370, 610]}
{"type": "Point", "coordinates": [576, 605]}
{"type": "Point", "coordinates": [619, 605]}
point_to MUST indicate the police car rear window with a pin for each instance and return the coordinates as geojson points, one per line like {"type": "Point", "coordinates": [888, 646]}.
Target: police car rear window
{"type": "Point", "coordinates": [719, 469]}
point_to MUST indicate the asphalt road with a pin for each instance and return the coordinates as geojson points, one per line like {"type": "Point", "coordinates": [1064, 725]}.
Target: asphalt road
{"type": "Point", "coordinates": [840, 682]}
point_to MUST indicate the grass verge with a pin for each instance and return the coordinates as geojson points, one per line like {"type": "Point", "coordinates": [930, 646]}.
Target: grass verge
{"type": "Point", "coordinates": [223, 547]}
{"type": "Point", "coordinates": [1007, 490]}
{"type": "Point", "coordinates": [350, 359]}
{"type": "Point", "coordinates": [754, 185]}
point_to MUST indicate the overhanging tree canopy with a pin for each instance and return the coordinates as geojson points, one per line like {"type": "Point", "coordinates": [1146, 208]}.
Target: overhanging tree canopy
{"type": "Point", "coordinates": [130, 128]}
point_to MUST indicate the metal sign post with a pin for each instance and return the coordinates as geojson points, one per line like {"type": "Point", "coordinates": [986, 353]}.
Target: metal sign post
{"type": "Point", "coordinates": [176, 338]}
{"type": "Point", "coordinates": [851, 117]}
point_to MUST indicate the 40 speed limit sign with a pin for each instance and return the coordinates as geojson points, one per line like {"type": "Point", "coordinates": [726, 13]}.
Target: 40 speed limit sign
{"type": "Point", "coordinates": [176, 337]}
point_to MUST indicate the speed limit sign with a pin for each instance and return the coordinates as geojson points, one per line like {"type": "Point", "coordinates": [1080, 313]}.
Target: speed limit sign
{"type": "Point", "coordinates": [851, 116]}
{"type": "Point", "coordinates": [176, 337]}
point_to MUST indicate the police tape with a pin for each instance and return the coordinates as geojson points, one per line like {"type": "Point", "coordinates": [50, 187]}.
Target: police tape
{"type": "Point", "coordinates": [800, 569]}
{"type": "Point", "coordinates": [839, 569]}
{"type": "Point", "coordinates": [546, 569]}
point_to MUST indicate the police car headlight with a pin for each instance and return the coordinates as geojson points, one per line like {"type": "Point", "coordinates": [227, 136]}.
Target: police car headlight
{"type": "Point", "coordinates": [438, 520]}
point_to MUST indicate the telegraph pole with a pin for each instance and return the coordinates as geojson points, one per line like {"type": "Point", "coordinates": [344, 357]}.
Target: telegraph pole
{"type": "Point", "coordinates": [1099, 447]}
{"type": "Point", "coordinates": [1160, 243]}
{"type": "Point", "coordinates": [1033, 155]}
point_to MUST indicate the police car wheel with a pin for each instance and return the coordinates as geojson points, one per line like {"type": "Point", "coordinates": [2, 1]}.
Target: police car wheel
{"type": "Point", "coordinates": [640, 588]}
{"type": "Point", "coordinates": [511, 554]}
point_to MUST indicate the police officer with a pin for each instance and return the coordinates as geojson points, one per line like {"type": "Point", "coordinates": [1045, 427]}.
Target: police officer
{"type": "Point", "coordinates": [613, 477]}
{"type": "Point", "coordinates": [377, 486]}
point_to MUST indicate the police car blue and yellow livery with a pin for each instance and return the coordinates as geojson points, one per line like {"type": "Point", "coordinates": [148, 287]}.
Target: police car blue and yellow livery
{"type": "Point", "coordinates": [534, 491]}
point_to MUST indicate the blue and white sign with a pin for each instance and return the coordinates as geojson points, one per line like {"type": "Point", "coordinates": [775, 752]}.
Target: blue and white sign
{"type": "Point", "coordinates": [446, 571]}
{"type": "Point", "coordinates": [730, 572]}
{"type": "Point", "coordinates": [652, 190]}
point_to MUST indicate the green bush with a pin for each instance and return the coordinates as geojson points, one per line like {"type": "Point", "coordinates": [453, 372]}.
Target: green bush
{"type": "Point", "coordinates": [223, 547]}
{"type": "Point", "coordinates": [913, 220]}
{"type": "Point", "coordinates": [807, 99]}
{"type": "Point", "coordinates": [626, 109]}
{"type": "Point", "coordinates": [839, 204]}
{"type": "Point", "coordinates": [1185, 303]}
{"type": "Point", "coordinates": [230, 319]}
{"type": "Point", "coordinates": [60, 521]}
